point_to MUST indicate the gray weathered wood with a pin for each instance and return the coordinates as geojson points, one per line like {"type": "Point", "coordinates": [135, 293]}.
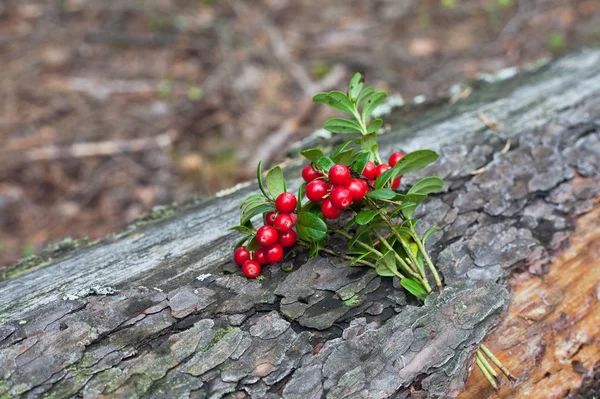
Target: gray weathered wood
{"type": "Point", "coordinates": [160, 310]}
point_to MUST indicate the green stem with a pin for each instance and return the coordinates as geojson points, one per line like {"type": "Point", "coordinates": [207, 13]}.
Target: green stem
{"type": "Point", "coordinates": [497, 362]}
{"type": "Point", "coordinates": [486, 374]}
{"type": "Point", "coordinates": [488, 366]}
{"type": "Point", "coordinates": [436, 276]}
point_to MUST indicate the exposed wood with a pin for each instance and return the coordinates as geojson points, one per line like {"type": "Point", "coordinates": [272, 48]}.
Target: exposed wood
{"type": "Point", "coordinates": [160, 310]}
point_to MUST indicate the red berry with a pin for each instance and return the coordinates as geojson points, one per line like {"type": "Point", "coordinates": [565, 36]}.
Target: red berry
{"type": "Point", "coordinates": [287, 239]}
{"type": "Point", "coordinates": [339, 175]}
{"type": "Point", "coordinates": [382, 168]}
{"type": "Point", "coordinates": [341, 197]}
{"type": "Point", "coordinates": [309, 174]}
{"type": "Point", "coordinates": [266, 236]}
{"type": "Point", "coordinates": [259, 256]}
{"type": "Point", "coordinates": [241, 255]}
{"type": "Point", "coordinates": [395, 157]}
{"type": "Point", "coordinates": [274, 253]}
{"type": "Point", "coordinates": [283, 222]}
{"type": "Point", "coordinates": [286, 203]}
{"type": "Point", "coordinates": [251, 269]}
{"type": "Point", "coordinates": [330, 211]}
{"type": "Point", "coordinates": [294, 218]}
{"type": "Point", "coordinates": [396, 183]}
{"type": "Point", "coordinates": [358, 189]}
{"type": "Point", "coordinates": [365, 184]}
{"type": "Point", "coordinates": [370, 170]}
{"type": "Point", "coordinates": [316, 190]}
{"type": "Point", "coordinates": [270, 218]}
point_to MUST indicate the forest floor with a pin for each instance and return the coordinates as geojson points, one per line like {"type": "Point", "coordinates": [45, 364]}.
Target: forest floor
{"type": "Point", "coordinates": [108, 108]}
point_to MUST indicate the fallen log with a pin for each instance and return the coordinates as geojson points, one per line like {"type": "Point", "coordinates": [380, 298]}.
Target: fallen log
{"type": "Point", "coordinates": [160, 310]}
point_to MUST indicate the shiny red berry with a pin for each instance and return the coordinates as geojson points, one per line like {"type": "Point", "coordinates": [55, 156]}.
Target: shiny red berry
{"type": "Point", "coordinates": [365, 184]}
{"type": "Point", "coordinates": [358, 189]}
{"type": "Point", "coordinates": [395, 157]}
{"type": "Point", "coordinates": [294, 218]}
{"type": "Point", "coordinates": [341, 197]}
{"type": "Point", "coordinates": [370, 170]}
{"type": "Point", "coordinates": [241, 255]}
{"type": "Point", "coordinates": [283, 222]}
{"type": "Point", "coordinates": [287, 239]}
{"type": "Point", "coordinates": [309, 174]}
{"type": "Point", "coordinates": [274, 253]}
{"type": "Point", "coordinates": [286, 203]}
{"type": "Point", "coordinates": [251, 269]}
{"type": "Point", "coordinates": [316, 190]}
{"type": "Point", "coordinates": [330, 211]}
{"type": "Point", "coordinates": [259, 256]}
{"type": "Point", "coordinates": [339, 175]}
{"type": "Point", "coordinates": [270, 218]}
{"type": "Point", "coordinates": [266, 236]}
{"type": "Point", "coordinates": [382, 168]}
{"type": "Point", "coordinates": [396, 183]}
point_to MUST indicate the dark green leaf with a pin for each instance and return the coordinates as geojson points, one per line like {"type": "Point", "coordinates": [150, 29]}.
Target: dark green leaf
{"type": "Point", "coordinates": [413, 286]}
{"type": "Point", "coordinates": [428, 233]}
{"type": "Point", "coordinates": [312, 154]}
{"type": "Point", "coordinates": [382, 193]}
{"type": "Point", "coordinates": [365, 217]}
{"type": "Point", "coordinates": [261, 185]}
{"type": "Point", "coordinates": [301, 192]}
{"type": "Point", "coordinates": [252, 197]}
{"type": "Point", "coordinates": [324, 163]}
{"type": "Point", "coordinates": [360, 257]}
{"type": "Point", "coordinates": [275, 182]}
{"type": "Point", "coordinates": [409, 209]}
{"type": "Point", "coordinates": [248, 202]}
{"type": "Point", "coordinates": [315, 247]}
{"type": "Point", "coordinates": [344, 157]}
{"type": "Point", "coordinates": [373, 102]}
{"type": "Point", "coordinates": [365, 94]}
{"type": "Point", "coordinates": [385, 177]}
{"type": "Point", "coordinates": [355, 86]}
{"type": "Point", "coordinates": [386, 266]}
{"type": "Point", "coordinates": [241, 242]}
{"type": "Point", "coordinates": [361, 231]}
{"type": "Point", "coordinates": [336, 100]}
{"type": "Point", "coordinates": [340, 148]}
{"type": "Point", "coordinates": [242, 229]}
{"type": "Point", "coordinates": [360, 161]}
{"type": "Point", "coordinates": [253, 245]}
{"type": "Point", "coordinates": [427, 185]}
{"type": "Point", "coordinates": [341, 125]}
{"type": "Point", "coordinates": [415, 160]}
{"type": "Point", "coordinates": [374, 126]}
{"type": "Point", "coordinates": [369, 142]}
{"type": "Point", "coordinates": [256, 210]}
{"type": "Point", "coordinates": [310, 226]}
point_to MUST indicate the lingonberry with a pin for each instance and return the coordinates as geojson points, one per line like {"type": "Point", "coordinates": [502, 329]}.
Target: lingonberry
{"type": "Point", "coordinates": [339, 175]}
{"type": "Point", "coordinates": [396, 183]}
{"type": "Point", "coordinates": [341, 197]}
{"type": "Point", "coordinates": [283, 222]}
{"type": "Point", "coordinates": [251, 269]}
{"type": "Point", "coordinates": [294, 218]}
{"type": "Point", "coordinates": [287, 239]}
{"type": "Point", "coordinates": [274, 253]}
{"type": "Point", "coordinates": [266, 236]}
{"type": "Point", "coordinates": [241, 255]}
{"type": "Point", "coordinates": [259, 256]}
{"type": "Point", "coordinates": [395, 157]}
{"type": "Point", "coordinates": [286, 203]}
{"type": "Point", "coordinates": [309, 174]}
{"type": "Point", "coordinates": [382, 168]}
{"type": "Point", "coordinates": [330, 211]}
{"type": "Point", "coordinates": [358, 188]}
{"type": "Point", "coordinates": [316, 190]}
{"type": "Point", "coordinates": [370, 170]}
{"type": "Point", "coordinates": [270, 218]}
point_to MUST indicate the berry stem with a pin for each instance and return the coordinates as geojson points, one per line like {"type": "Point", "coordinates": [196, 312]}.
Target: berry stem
{"type": "Point", "coordinates": [486, 374]}
{"type": "Point", "coordinates": [436, 275]}
{"type": "Point", "coordinates": [488, 366]}
{"type": "Point", "coordinates": [497, 362]}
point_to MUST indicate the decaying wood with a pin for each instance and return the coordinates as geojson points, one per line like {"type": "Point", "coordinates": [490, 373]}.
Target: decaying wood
{"type": "Point", "coordinates": [160, 311]}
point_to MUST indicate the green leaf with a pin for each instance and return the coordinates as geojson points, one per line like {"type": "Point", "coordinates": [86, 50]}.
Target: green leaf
{"type": "Point", "coordinates": [369, 142]}
{"type": "Point", "coordinates": [243, 230]}
{"type": "Point", "coordinates": [315, 247]}
{"type": "Point", "coordinates": [312, 154]}
{"type": "Point", "coordinates": [336, 100]}
{"type": "Point", "coordinates": [339, 149]}
{"type": "Point", "coordinates": [385, 177]}
{"type": "Point", "coordinates": [382, 193]}
{"type": "Point", "coordinates": [409, 209]}
{"type": "Point", "coordinates": [310, 227]}
{"type": "Point", "coordinates": [344, 157]}
{"type": "Point", "coordinates": [428, 233]}
{"type": "Point", "coordinates": [276, 182]}
{"type": "Point", "coordinates": [324, 163]}
{"type": "Point", "coordinates": [360, 257]}
{"type": "Point", "coordinates": [255, 210]}
{"type": "Point", "coordinates": [301, 193]}
{"type": "Point", "coordinates": [261, 185]}
{"type": "Point", "coordinates": [252, 197]}
{"type": "Point", "coordinates": [373, 102]}
{"type": "Point", "coordinates": [341, 125]}
{"type": "Point", "coordinates": [253, 245]}
{"type": "Point", "coordinates": [241, 242]}
{"type": "Point", "coordinates": [413, 286]}
{"type": "Point", "coordinates": [364, 95]}
{"type": "Point", "coordinates": [374, 126]}
{"type": "Point", "coordinates": [365, 217]}
{"type": "Point", "coordinates": [359, 232]}
{"type": "Point", "coordinates": [386, 266]}
{"type": "Point", "coordinates": [360, 161]}
{"type": "Point", "coordinates": [355, 86]}
{"type": "Point", "coordinates": [427, 185]}
{"type": "Point", "coordinates": [252, 201]}
{"type": "Point", "coordinates": [415, 160]}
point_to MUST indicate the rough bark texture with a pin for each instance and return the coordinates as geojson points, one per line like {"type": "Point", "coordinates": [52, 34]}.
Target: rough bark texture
{"type": "Point", "coordinates": [160, 310]}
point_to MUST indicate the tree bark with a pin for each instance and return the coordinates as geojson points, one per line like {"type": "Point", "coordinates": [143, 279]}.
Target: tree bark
{"type": "Point", "coordinates": [160, 310]}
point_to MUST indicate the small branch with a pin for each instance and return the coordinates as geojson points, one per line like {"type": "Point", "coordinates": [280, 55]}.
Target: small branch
{"type": "Point", "coordinates": [497, 362]}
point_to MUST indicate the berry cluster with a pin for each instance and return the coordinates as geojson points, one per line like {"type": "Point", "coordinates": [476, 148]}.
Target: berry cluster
{"type": "Point", "coordinates": [276, 234]}
{"type": "Point", "coordinates": [338, 190]}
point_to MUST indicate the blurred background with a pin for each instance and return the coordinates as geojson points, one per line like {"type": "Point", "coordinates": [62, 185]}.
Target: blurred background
{"type": "Point", "coordinates": [108, 108]}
